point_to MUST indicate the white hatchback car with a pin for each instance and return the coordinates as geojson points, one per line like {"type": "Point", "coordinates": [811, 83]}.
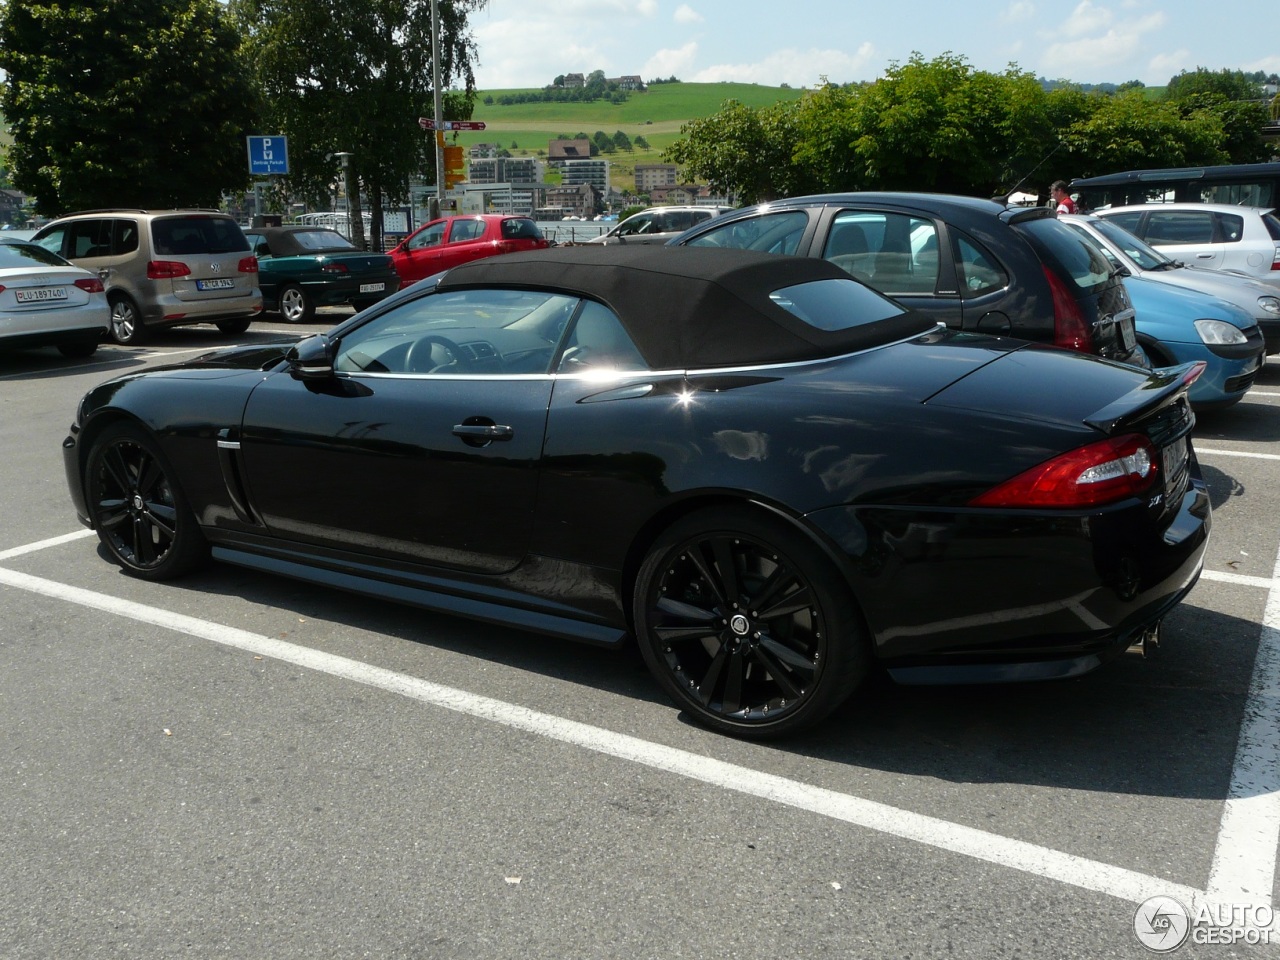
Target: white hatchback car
{"type": "Point", "coordinates": [1214, 235]}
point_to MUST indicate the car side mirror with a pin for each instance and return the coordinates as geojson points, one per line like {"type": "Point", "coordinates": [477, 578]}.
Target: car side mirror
{"type": "Point", "coordinates": [312, 358]}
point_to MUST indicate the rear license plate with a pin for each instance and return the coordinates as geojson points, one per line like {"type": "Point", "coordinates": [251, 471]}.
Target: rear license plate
{"type": "Point", "coordinates": [215, 284]}
{"type": "Point", "coordinates": [372, 287]}
{"type": "Point", "coordinates": [1124, 321]}
{"type": "Point", "coordinates": [1173, 460]}
{"type": "Point", "coordinates": [40, 294]}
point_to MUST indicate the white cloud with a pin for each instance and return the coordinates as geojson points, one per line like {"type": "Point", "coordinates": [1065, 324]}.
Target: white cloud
{"type": "Point", "coordinates": [1021, 11]}
{"type": "Point", "coordinates": [672, 63]}
{"type": "Point", "coordinates": [1086, 19]}
{"type": "Point", "coordinates": [1105, 52]}
{"type": "Point", "coordinates": [797, 68]}
{"type": "Point", "coordinates": [686, 14]}
{"type": "Point", "coordinates": [1166, 65]}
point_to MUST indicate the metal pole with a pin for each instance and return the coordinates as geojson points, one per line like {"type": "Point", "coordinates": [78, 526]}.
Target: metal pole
{"type": "Point", "coordinates": [434, 209]}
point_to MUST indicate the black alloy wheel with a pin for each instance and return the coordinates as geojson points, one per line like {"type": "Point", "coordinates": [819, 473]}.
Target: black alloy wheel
{"type": "Point", "coordinates": [747, 624]}
{"type": "Point", "coordinates": [137, 509]}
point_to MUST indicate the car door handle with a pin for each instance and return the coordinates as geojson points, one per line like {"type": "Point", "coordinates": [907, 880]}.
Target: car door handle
{"type": "Point", "coordinates": [1205, 256]}
{"type": "Point", "coordinates": [483, 431]}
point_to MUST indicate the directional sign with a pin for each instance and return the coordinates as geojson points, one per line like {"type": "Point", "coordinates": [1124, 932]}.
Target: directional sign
{"type": "Point", "coordinates": [426, 123]}
{"type": "Point", "coordinates": [268, 155]}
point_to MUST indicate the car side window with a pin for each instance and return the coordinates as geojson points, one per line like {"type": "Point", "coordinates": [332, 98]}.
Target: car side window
{"type": "Point", "coordinates": [1180, 226]}
{"type": "Point", "coordinates": [428, 237]}
{"type": "Point", "coordinates": [598, 342]}
{"type": "Point", "coordinates": [471, 332]}
{"type": "Point", "coordinates": [1230, 227]}
{"type": "Point", "coordinates": [53, 240]}
{"type": "Point", "coordinates": [1130, 221]}
{"type": "Point", "coordinates": [641, 223]}
{"type": "Point", "coordinates": [90, 238]}
{"type": "Point", "coordinates": [464, 230]}
{"type": "Point", "coordinates": [124, 237]}
{"type": "Point", "coordinates": [892, 252]}
{"type": "Point", "coordinates": [979, 271]}
{"type": "Point", "coordinates": [771, 233]}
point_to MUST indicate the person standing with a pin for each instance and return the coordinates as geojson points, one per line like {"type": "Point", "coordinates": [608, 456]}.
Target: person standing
{"type": "Point", "coordinates": [1062, 202]}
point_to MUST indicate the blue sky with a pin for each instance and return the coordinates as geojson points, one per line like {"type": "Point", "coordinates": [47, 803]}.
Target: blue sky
{"type": "Point", "coordinates": [523, 44]}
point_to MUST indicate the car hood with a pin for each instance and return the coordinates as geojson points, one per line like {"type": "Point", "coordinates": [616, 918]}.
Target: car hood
{"type": "Point", "coordinates": [1238, 288]}
{"type": "Point", "coordinates": [229, 361]}
{"type": "Point", "coordinates": [1176, 302]}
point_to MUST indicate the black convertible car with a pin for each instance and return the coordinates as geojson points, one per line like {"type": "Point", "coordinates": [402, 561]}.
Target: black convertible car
{"type": "Point", "coordinates": [767, 473]}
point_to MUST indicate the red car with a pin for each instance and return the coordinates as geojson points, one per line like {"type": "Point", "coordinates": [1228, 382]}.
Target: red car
{"type": "Point", "coordinates": [449, 241]}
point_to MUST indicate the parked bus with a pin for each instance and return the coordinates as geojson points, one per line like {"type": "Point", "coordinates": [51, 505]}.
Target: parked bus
{"type": "Point", "coordinates": [1243, 184]}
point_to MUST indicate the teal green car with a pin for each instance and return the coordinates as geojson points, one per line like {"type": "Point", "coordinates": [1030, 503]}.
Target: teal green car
{"type": "Point", "coordinates": [301, 268]}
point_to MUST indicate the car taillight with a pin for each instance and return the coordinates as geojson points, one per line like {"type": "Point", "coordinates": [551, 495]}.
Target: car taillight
{"type": "Point", "coordinates": [91, 285]}
{"type": "Point", "coordinates": [1089, 476]}
{"type": "Point", "coordinates": [1070, 328]}
{"type": "Point", "coordinates": [248, 265]}
{"type": "Point", "coordinates": [334, 268]}
{"type": "Point", "coordinates": [1275, 261]}
{"type": "Point", "coordinates": [166, 269]}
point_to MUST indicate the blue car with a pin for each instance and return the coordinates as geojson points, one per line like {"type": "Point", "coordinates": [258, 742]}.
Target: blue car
{"type": "Point", "coordinates": [1177, 325]}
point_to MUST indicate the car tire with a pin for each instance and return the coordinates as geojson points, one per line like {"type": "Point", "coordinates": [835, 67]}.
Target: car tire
{"type": "Point", "coordinates": [295, 305]}
{"type": "Point", "coordinates": [233, 328]}
{"type": "Point", "coordinates": [735, 667]}
{"type": "Point", "coordinates": [137, 507]}
{"type": "Point", "coordinates": [77, 350]}
{"type": "Point", "coordinates": [127, 328]}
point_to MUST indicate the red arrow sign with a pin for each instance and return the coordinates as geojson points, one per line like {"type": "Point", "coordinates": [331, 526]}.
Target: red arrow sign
{"type": "Point", "coordinates": [426, 123]}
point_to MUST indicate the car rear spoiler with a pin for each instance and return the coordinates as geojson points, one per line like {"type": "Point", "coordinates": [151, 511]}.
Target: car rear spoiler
{"type": "Point", "coordinates": [1163, 387]}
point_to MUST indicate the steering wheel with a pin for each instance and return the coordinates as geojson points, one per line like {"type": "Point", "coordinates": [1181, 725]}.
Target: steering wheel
{"type": "Point", "coordinates": [423, 355]}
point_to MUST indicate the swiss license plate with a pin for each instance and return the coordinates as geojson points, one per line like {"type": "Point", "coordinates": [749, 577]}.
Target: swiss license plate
{"type": "Point", "coordinates": [1128, 338]}
{"type": "Point", "coordinates": [1173, 459]}
{"type": "Point", "coordinates": [372, 287]}
{"type": "Point", "coordinates": [215, 284]}
{"type": "Point", "coordinates": [40, 294]}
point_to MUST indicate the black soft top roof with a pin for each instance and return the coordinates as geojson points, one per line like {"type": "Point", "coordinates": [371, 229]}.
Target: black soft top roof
{"type": "Point", "coordinates": [281, 239]}
{"type": "Point", "coordinates": [692, 306]}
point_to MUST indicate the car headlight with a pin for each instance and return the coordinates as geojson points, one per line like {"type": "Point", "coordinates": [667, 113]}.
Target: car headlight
{"type": "Point", "coordinates": [1270, 305]}
{"type": "Point", "coordinates": [1218, 332]}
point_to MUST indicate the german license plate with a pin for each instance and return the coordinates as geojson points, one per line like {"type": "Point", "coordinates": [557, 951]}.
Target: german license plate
{"type": "Point", "coordinates": [215, 284]}
{"type": "Point", "coordinates": [372, 287]}
{"type": "Point", "coordinates": [40, 294]}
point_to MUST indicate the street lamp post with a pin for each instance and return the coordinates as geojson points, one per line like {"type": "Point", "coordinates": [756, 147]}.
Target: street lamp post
{"type": "Point", "coordinates": [434, 210]}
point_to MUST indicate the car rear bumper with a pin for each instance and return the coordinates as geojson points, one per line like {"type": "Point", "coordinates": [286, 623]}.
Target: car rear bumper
{"type": "Point", "coordinates": [972, 596]}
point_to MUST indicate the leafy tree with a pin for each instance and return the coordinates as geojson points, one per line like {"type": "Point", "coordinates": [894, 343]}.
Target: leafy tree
{"type": "Point", "coordinates": [1229, 84]}
{"type": "Point", "coordinates": [359, 89]}
{"type": "Point", "coordinates": [1129, 131]}
{"type": "Point", "coordinates": [742, 151]}
{"type": "Point", "coordinates": [125, 102]}
{"type": "Point", "coordinates": [640, 143]}
{"type": "Point", "coordinates": [622, 142]}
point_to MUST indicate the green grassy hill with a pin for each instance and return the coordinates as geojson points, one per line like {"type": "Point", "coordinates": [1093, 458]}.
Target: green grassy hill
{"type": "Point", "coordinates": [657, 115]}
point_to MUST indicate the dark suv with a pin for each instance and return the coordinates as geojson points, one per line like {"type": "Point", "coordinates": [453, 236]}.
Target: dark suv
{"type": "Point", "coordinates": [972, 264]}
{"type": "Point", "coordinates": [163, 268]}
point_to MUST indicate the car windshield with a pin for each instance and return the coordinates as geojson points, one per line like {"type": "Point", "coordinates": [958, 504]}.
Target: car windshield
{"type": "Point", "coordinates": [835, 304]}
{"type": "Point", "coordinates": [321, 240]}
{"type": "Point", "coordinates": [29, 255]}
{"type": "Point", "coordinates": [1144, 256]}
{"type": "Point", "coordinates": [190, 235]}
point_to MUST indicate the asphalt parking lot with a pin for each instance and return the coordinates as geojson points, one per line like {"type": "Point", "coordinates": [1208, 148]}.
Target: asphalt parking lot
{"type": "Point", "coordinates": [242, 766]}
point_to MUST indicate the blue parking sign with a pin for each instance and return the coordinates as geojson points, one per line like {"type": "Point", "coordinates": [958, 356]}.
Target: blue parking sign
{"type": "Point", "coordinates": [268, 155]}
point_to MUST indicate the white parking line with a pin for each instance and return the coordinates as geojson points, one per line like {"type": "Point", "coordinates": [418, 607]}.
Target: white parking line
{"type": "Point", "coordinates": [44, 544]}
{"type": "Point", "coordinates": [1243, 866]}
{"type": "Point", "coordinates": [1235, 453]}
